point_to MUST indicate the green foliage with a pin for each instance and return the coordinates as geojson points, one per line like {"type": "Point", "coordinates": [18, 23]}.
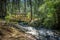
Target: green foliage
{"type": "Point", "coordinates": [7, 18]}
{"type": "Point", "coordinates": [10, 18]}
{"type": "Point", "coordinates": [45, 10]}
{"type": "Point", "coordinates": [28, 15]}
{"type": "Point", "coordinates": [47, 14]}
{"type": "Point", "coordinates": [48, 11]}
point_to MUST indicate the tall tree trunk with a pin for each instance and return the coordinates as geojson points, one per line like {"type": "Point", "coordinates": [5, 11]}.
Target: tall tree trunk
{"type": "Point", "coordinates": [19, 5]}
{"type": "Point", "coordinates": [2, 8]}
{"type": "Point", "coordinates": [31, 8]}
{"type": "Point", "coordinates": [25, 6]}
{"type": "Point", "coordinates": [58, 18]}
{"type": "Point", "coordinates": [13, 2]}
{"type": "Point", "coordinates": [57, 14]}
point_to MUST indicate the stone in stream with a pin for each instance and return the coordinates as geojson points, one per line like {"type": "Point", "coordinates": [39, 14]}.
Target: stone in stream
{"type": "Point", "coordinates": [32, 31]}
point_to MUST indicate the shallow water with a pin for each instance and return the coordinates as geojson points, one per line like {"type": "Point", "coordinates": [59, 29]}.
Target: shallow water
{"type": "Point", "coordinates": [41, 33]}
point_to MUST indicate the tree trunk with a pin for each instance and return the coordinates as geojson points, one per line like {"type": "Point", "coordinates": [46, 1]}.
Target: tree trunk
{"type": "Point", "coordinates": [31, 8]}
{"type": "Point", "coordinates": [57, 7]}
{"type": "Point", "coordinates": [25, 6]}
{"type": "Point", "coordinates": [2, 8]}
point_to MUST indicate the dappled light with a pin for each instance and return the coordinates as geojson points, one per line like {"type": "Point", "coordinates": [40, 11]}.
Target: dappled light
{"type": "Point", "coordinates": [30, 19]}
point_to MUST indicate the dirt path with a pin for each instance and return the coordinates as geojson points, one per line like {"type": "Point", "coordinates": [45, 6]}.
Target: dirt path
{"type": "Point", "coordinates": [10, 33]}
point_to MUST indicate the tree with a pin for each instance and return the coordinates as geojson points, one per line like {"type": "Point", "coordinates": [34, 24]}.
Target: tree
{"type": "Point", "coordinates": [24, 6]}
{"type": "Point", "coordinates": [31, 8]}
{"type": "Point", "coordinates": [57, 14]}
{"type": "Point", "coordinates": [2, 8]}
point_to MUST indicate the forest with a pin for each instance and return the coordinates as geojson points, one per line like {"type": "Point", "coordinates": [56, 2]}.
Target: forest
{"type": "Point", "coordinates": [35, 17]}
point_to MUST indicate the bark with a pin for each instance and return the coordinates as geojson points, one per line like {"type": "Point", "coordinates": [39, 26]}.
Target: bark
{"type": "Point", "coordinates": [31, 8]}
{"type": "Point", "coordinates": [2, 8]}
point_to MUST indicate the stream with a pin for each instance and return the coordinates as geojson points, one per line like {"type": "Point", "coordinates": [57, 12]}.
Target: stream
{"type": "Point", "coordinates": [39, 33]}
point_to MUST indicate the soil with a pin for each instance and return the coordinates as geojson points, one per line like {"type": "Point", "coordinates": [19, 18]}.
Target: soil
{"type": "Point", "coordinates": [10, 33]}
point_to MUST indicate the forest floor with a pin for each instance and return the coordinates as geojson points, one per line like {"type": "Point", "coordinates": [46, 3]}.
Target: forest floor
{"type": "Point", "coordinates": [10, 33]}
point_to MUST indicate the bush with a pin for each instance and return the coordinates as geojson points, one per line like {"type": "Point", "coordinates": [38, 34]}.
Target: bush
{"type": "Point", "coordinates": [48, 12]}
